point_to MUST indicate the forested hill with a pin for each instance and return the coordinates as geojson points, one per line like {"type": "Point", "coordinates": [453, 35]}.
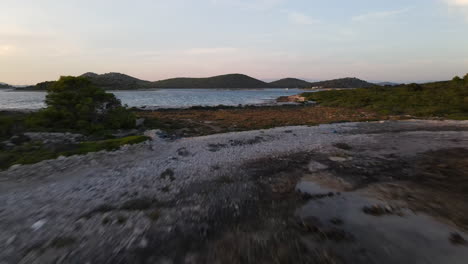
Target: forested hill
{"type": "Point", "coordinates": [337, 83]}
{"type": "Point", "coordinates": [230, 81]}
{"type": "Point", "coordinates": [291, 83]}
{"type": "Point", "coordinates": [343, 83]}
{"type": "Point", "coordinates": [4, 86]}
{"type": "Point", "coordinates": [107, 81]}
{"type": "Point", "coordinates": [119, 81]}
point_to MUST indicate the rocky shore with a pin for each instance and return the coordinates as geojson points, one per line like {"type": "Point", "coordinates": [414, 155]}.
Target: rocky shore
{"type": "Point", "coordinates": [291, 99]}
{"type": "Point", "coordinates": [340, 193]}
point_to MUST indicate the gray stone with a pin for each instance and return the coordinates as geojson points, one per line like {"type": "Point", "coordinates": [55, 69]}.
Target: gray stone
{"type": "Point", "coordinates": [337, 159]}
{"type": "Point", "coordinates": [315, 166]}
{"type": "Point", "coordinates": [38, 225]}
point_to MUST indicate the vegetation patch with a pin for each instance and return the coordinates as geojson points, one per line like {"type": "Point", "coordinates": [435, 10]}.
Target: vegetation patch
{"type": "Point", "coordinates": [74, 103]}
{"type": "Point", "coordinates": [109, 145]}
{"type": "Point", "coordinates": [441, 99]}
{"type": "Point", "coordinates": [34, 152]}
{"type": "Point", "coordinates": [206, 121]}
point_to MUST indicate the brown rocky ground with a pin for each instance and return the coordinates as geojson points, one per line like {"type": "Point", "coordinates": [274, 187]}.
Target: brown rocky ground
{"type": "Point", "coordinates": [195, 122]}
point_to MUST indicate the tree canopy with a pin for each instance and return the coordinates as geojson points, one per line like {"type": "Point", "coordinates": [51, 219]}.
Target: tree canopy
{"type": "Point", "coordinates": [74, 103]}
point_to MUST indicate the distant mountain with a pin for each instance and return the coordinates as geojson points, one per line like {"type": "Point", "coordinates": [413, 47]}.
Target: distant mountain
{"type": "Point", "coordinates": [107, 81]}
{"type": "Point", "coordinates": [343, 83]}
{"type": "Point", "coordinates": [5, 86]}
{"type": "Point", "coordinates": [337, 83]}
{"type": "Point", "coordinates": [119, 81]}
{"type": "Point", "coordinates": [229, 81]}
{"type": "Point", "coordinates": [388, 83]}
{"type": "Point", "coordinates": [291, 83]}
{"type": "Point", "coordinates": [116, 81]}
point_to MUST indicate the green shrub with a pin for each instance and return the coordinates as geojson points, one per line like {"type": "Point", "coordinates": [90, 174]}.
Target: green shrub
{"type": "Point", "coordinates": [34, 152]}
{"type": "Point", "coordinates": [73, 103]}
{"type": "Point", "coordinates": [448, 99]}
{"type": "Point", "coordinates": [109, 144]}
{"type": "Point", "coordinates": [6, 127]}
{"type": "Point", "coordinates": [11, 123]}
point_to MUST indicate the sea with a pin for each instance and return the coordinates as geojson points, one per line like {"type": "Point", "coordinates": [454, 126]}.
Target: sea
{"type": "Point", "coordinates": [161, 98]}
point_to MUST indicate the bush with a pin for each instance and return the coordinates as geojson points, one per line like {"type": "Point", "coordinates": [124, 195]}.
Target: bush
{"type": "Point", "coordinates": [449, 99]}
{"type": "Point", "coordinates": [110, 144]}
{"type": "Point", "coordinates": [34, 152]}
{"type": "Point", "coordinates": [11, 123]}
{"type": "Point", "coordinates": [73, 103]}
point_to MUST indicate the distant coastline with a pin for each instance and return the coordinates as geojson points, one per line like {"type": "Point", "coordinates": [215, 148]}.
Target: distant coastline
{"type": "Point", "coordinates": [119, 81]}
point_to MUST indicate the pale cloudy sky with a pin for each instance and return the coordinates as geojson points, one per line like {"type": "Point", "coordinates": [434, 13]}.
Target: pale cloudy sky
{"type": "Point", "coordinates": [398, 40]}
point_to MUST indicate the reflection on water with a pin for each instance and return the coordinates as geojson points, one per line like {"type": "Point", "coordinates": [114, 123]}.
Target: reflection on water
{"type": "Point", "coordinates": [389, 238]}
{"type": "Point", "coordinates": [160, 98]}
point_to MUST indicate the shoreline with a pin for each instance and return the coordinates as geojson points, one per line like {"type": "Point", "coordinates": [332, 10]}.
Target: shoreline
{"type": "Point", "coordinates": [260, 103]}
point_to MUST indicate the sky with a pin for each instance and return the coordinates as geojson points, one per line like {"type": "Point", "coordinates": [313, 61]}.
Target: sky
{"type": "Point", "coordinates": [376, 40]}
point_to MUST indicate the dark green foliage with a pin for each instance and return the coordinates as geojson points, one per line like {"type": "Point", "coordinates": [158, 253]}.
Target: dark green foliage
{"type": "Point", "coordinates": [445, 99]}
{"type": "Point", "coordinates": [11, 123]}
{"type": "Point", "coordinates": [29, 153]}
{"type": "Point", "coordinates": [5, 86]}
{"type": "Point", "coordinates": [6, 126]}
{"type": "Point", "coordinates": [466, 78]}
{"type": "Point", "coordinates": [109, 144]}
{"type": "Point", "coordinates": [74, 103]}
{"type": "Point", "coordinates": [34, 152]}
{"type": "Point", "coordinates": [43, 85]}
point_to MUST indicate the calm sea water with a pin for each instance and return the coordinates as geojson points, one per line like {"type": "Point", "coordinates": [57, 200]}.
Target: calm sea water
{"type": "Point", "coordinates": [170, 98]}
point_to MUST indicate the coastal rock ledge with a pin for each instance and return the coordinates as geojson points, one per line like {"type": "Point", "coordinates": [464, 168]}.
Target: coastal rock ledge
{"type": "Point", "coordinates": [291, 99]}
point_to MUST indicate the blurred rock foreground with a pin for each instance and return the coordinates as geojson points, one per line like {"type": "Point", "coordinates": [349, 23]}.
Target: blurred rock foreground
{"type": "Point", "coordinates": [376, 192]}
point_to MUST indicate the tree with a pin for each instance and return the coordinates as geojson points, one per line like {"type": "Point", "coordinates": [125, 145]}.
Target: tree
{"type": "Point", "coordinates": [74, 103]}
{"type": "Point", "coordinates": [466, 78]}
{"type": "Point", "coordinates": [415, 87]}
{"type": "Point", "coordinates": [456, 79]}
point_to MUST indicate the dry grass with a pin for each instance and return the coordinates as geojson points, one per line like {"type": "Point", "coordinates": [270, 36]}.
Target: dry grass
{"type": "Point", "coordinates": [209, 121]}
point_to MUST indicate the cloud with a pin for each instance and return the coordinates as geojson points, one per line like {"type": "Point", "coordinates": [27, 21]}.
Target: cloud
{"type": "Point", "coordinates": [6, 50]}
{"type": "Point", "coordinates": [207, 51]}
{"type": "Point", "coordinates": [460, 6]}
{"type": "Point", "coordinates": [462, 3]}
{"type": "Point", "coordinates": [301, 19]}
{"type": "Point", "coordinates": [382, 14]}
{"type": "Point", "coordinates": [251, 4]}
